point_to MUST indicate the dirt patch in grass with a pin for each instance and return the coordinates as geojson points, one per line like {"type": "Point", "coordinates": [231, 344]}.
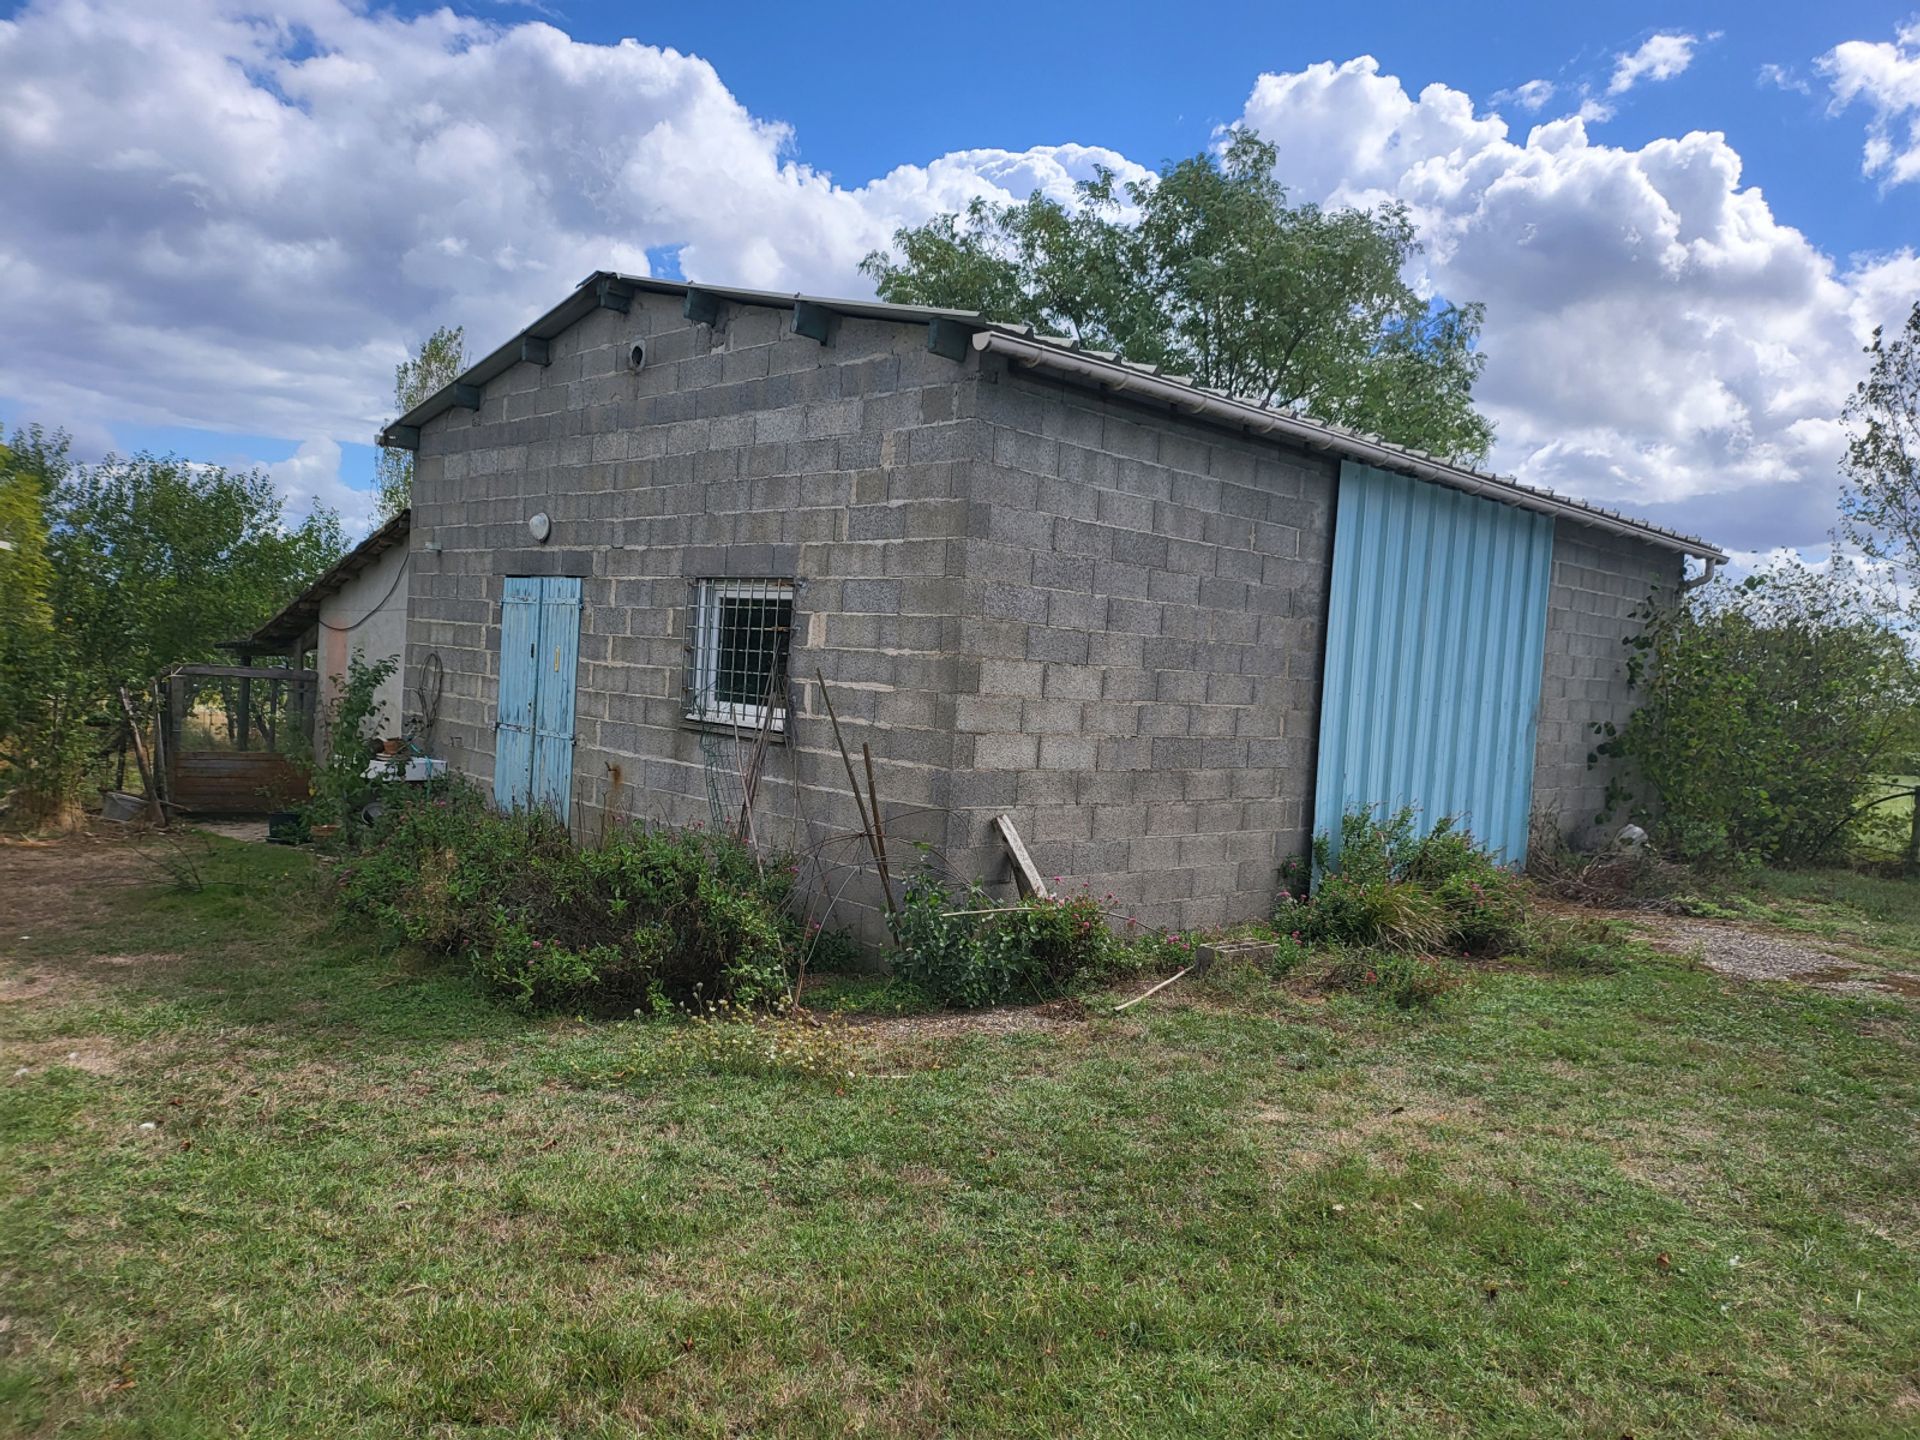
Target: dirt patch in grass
{"type": "Point", "coordinates": [1748, 954]}
{"type": "Point", "coordinates": [77, 879]}
{"type": "Point", "coordinates": [42, 983]}
{"type": "Point", "coordinates": [1051, 1018]}
{"type": "Point", "coordinates": [1384, 1122]}
{"type": "Point", "coordinates": [94, 1055]}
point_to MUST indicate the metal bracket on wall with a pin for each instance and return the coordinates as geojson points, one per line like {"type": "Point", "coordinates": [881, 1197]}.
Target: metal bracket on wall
{"type": "Point", "coordinates": [816, 322]}
{"type": "Point", "coordinates": [949, 338]}
{"type": "Point", "coordinates": [613, 295]}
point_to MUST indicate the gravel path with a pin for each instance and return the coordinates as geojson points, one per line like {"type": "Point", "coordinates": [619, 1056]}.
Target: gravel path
{"type": "Point", "coordinates": [1757, 955]}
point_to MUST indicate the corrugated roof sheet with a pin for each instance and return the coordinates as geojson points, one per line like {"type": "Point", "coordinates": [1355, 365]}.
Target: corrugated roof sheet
{"type": "Point", "coordinates": [1372, 449]}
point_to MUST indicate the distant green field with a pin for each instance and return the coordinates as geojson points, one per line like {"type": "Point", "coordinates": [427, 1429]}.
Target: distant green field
{"type": "Point", "coordinates": [1884, 829]}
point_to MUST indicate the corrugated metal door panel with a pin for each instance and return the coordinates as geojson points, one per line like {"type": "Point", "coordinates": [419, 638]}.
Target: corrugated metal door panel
{"type": "Point", "coordinates": [559, 663]}
{"type": "Point", "coordinates": [513, 716]}
{"type": "Point", "coordinates": [1436, 628]}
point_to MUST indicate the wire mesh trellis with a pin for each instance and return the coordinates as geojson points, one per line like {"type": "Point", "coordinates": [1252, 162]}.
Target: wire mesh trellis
{"type": "Point", "coordinates": [739, 636]}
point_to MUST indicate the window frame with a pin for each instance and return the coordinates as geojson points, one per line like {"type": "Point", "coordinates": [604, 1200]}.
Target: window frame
{"type": "Point", "coordinates": [704, 652]}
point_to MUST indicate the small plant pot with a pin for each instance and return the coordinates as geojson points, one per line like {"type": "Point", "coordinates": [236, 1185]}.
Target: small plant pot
{"type": "Point", "coordinates": [392, 745]}
{"type": "Point", "coordinates": [325, 832]}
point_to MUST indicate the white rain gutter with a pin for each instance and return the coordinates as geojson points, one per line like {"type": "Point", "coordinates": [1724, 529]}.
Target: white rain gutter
{"type": "Point", "coordinates": [1275, 422]}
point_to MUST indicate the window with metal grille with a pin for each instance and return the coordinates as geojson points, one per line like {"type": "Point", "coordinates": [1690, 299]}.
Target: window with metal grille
{"type": "Point", "coordinates": [739, 632]}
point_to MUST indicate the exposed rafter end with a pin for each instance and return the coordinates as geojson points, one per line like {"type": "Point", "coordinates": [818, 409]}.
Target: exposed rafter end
{"type": "Point", "coordinates": [400, 437]}
{"type": "Point", "coordinates": [816, 322]}
{"type": "Point", "coordinates": [701, 307]}
{"type": "Point", "coordinates": [465, 397]}
{"type": "Point", "coordinates": [949, 338]}
{"type": "Point", "coordinates": [533, 350]}
{"type": "Point", "coordinates": [614, 295]}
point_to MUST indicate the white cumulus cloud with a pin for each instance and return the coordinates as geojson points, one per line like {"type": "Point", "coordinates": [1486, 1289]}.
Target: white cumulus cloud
{"type": "Point", "coordinates": [1885, 76]}
{"type": "Point", "coordinates": [1656, 337]}
{"type": "Point", "coordinates": [1660, 57]}
{"type": "Point", "coordinates": [310, 480]}
{"type": "Point", "coordinates": [1531, 97]}
{"type": "Point", "coordinates": [233, 220]}
{"type": "Point", "coordinates": [237, 219]}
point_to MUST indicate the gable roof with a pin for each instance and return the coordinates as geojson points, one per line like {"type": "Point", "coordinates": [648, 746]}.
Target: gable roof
{"type": "Point", "coordinates": [302, 613]}
{"type": "Point", "coordinates": [1025, 346]}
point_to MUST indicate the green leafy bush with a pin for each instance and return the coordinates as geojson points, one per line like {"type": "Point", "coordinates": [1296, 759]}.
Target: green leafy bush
{"type": "Point", "coordinates": [340, 789]}
{"type": "Point", "coordinates": [1385, 913]}
{"type": "Point", "coordinates": [1028, 951]}
{"type": "Point", "coordinates": [647, 917]}
{"type": "Point", "coordinates": [1766, 708]}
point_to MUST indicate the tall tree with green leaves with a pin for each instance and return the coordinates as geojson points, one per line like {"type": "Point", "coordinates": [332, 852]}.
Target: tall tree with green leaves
{"type": "Point", "coordinates": [26, 580]}
{"type": "Point", "coordinates": [1880, 506]}
{"type": "Point", "coordinates": [113, 572]}
{"type": "Point", "coordinates": [1207, 271]}
{"type": "Point", "coordinates": [44, 738]}
{"type": "Point", "coordinates": [157, 559]}
{"type": "Point", "coordinates": [438, 362]}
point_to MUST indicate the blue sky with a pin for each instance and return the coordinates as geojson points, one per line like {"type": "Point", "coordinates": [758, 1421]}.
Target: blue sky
{"type": "Point", "coordinates": [1138, 79]}
{"type": "Point", "coordinates": [229, 218]}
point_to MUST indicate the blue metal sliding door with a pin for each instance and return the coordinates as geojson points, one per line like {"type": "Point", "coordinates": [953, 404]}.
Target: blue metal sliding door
{"type": "Point", "coordinates": [539, 661]}
{"type": "Point", "coordinates": [1436, 627]}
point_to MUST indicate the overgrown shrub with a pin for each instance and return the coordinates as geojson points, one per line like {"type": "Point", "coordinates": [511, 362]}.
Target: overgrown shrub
{"type": "Point", "coordinates": [647, 918]}
{"type": "Point", "coordinates": [339, 787]}
{"type": "Point", "coordinates": [1387, 887]}
{"type": "Point", "coordinates": [1028, 951]}
{"type": "Point", "coordinates": [1766, 707]}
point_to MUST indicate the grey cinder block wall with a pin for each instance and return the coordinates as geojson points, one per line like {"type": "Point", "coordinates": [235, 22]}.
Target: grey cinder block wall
{"type": "Point", "coordinates": [736, 450]}
{"type": "Point", "coordinates": [1027, 597]}
{"type": "Point", "coordinates": [1146, 604]}
{"type": "Point", "coordinates": [1599, 582]}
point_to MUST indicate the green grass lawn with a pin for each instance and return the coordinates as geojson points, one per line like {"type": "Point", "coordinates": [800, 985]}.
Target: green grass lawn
{"type": "Point", "coordinates": [1651, 1202]}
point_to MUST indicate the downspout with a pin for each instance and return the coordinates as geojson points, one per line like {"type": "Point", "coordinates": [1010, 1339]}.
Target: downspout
{"type": "Point", "coordinates": [1704, 577]}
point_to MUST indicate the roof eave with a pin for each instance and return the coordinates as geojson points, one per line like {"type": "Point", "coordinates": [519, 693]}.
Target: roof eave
{"type": "Point", "coordinates": [586, 298]}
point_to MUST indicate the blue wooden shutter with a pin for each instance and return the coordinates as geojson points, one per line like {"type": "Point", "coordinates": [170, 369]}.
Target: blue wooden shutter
{"type": "Point", "coordinates": [1436, 628]}
{"type": "Point", "coordinates": [559, 663]}
{"type": "Point", "coordinates": [513, 730]}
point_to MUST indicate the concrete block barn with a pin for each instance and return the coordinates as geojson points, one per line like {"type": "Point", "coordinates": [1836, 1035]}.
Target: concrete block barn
{"type": "Point", "coordinates": [1169, 632]}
